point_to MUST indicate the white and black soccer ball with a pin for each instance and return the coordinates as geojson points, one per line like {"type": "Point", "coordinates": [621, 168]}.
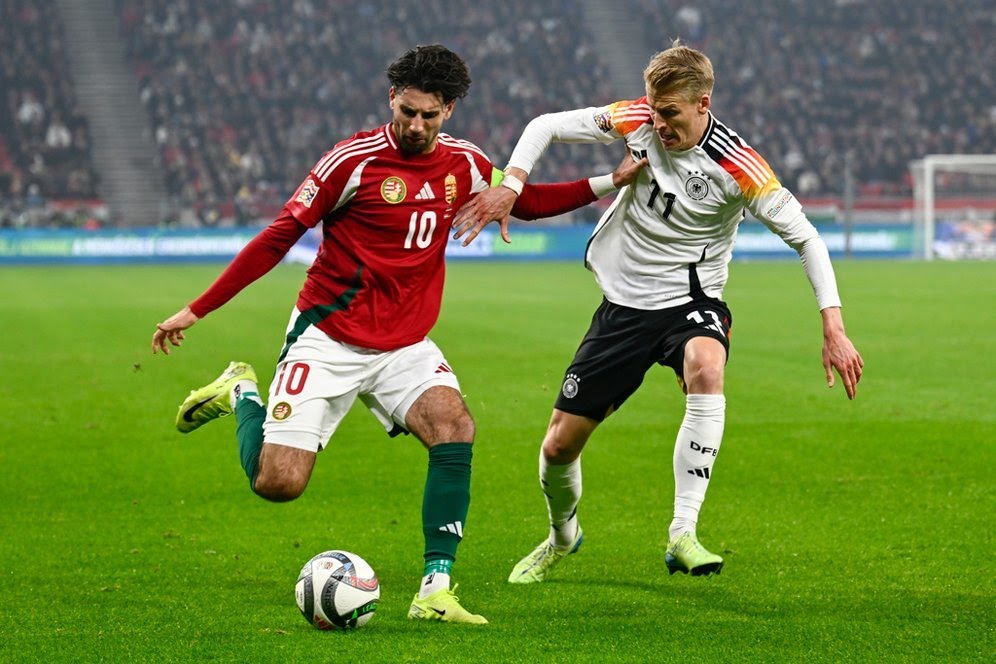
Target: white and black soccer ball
{"type": "Point", "coordinates": [337, 590]}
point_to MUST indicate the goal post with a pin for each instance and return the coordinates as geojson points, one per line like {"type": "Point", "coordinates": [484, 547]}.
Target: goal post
{"type": "Point", "coordinates": [954, 206]}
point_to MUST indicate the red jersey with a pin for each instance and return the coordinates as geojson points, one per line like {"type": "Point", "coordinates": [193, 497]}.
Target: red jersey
{"type": "Point", "coordinates": [377, 281]}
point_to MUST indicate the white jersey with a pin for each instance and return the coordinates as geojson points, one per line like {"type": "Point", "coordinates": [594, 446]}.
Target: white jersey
{"type": "Point", "coordinates": [669, 236]}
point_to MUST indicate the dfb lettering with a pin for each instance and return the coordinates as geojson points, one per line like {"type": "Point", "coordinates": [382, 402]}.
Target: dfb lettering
{"type": "Point", "coordinates": [705, 450]}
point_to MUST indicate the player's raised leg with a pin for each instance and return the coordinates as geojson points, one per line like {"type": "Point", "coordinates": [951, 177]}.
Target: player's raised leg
{"type": "Point", "coordinates": [235, 390]}
{"type": "Point", "coordinates": [275, 472]}
{"type": "Point", "coordinates": [216, 399]}
{"type": "Point", "coordinates": [440, 419]}
{"type": "Point", "coordinates": [695, 451]}
{"type": "Point", "coordinates": [560, 479]}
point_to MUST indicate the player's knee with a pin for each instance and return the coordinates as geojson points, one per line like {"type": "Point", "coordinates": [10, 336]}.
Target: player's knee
{"type": "Point", "coordinates": [279, 488]}
{"type": "Point", "coordinates": [560, 449]}
{"type": "Point", "coordinates": [554, 452]}
{"type": "Point", "coordinates": [459, 429]}
{"type": "Point", "coordinates": [704, 379]}
{"type": "Point", "coordinates": [452, 430]}
{"type": "Point", "coordinates": [441, 416]}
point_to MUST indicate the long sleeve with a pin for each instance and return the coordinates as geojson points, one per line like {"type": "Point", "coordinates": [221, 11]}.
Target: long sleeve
{"type": "Point", "coordinates": [782, 213]}
{"type": "Point", "coordinates": [549, 200]}
{"type": "Point", "coordinates": [576, 126]}
{"type": "Point", "coordinates": [257, 258]}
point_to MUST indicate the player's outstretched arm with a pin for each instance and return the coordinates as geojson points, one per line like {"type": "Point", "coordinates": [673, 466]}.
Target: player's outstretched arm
{"type": "Point", "coordinates": [494, 204]}
{"type": "Point", "coordinates": [839, 353]}
{"type": "Point", "coordinates": [172, 329]}
{"type": "Point", "coordinates": [538, 201]}
{"type": "Point", "coordinates": [257, 258]}
{"type": "Point", "coordinates": [533, 203]}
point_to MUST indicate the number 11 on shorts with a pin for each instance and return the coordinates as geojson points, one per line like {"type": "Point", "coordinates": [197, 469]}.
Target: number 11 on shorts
{"type": "Point", "coordinates": [716, 325]}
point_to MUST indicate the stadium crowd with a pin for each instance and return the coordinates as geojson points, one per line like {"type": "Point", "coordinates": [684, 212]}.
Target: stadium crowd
{"type": "Point", "coordinates": [44, 137]}
{"type": "Point", "coordinates": [244, 96]}
{"type": "Point", "coordinates": [879, 82]}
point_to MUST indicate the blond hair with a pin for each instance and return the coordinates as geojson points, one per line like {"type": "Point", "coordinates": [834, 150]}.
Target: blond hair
{"type": "Point", "coordinates": [680, 70]}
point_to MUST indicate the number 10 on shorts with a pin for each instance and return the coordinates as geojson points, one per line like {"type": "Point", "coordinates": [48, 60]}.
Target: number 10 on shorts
{"type": "Point", "coordinates": [295, 374]}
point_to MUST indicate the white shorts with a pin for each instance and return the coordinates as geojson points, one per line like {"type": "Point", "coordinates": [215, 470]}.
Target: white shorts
{"type": "Point", "coordinates": [319, 378]}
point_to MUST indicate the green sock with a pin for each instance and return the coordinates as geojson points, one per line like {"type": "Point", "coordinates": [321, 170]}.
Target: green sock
{"type": "Point", "coordinates": [438, 566]}
{"type": "Point", "coordinates": [446, 500]}
{"type": "Point", "coordinates": [250, 414]}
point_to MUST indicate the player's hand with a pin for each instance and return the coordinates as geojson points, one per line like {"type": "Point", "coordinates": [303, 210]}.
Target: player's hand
{"type": "Point", "coordinates": [172, 329]}
{"type": "Point", "coordinates": [493, 204]}
{"type": "Point", "coordinates": [839, 354]}
{"type": "Point", "coordinates": [627, 170]}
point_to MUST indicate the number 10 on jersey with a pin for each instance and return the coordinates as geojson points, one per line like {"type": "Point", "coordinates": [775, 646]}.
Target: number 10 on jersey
{"type": "Point", "coordinates": [420, 228]}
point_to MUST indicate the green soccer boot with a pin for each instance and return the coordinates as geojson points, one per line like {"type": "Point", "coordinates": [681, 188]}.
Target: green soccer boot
{"type": "Point", "coordinates": [534, 567]}
{"type": "Point", "coordinates": [687, 556]}
{"type": "Point", "coordinates": [443, 605]}
{"type": "Point", "coordinates": [213, 400]}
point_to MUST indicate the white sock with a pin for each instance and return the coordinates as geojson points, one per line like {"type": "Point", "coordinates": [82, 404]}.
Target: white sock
{"type": "Point", "coordinates": [562, 486]}
{"type": "Point", "coordinates": [245, 388]}
{"type": "Point", "coordinates": [695, 451]}
{"type": "Point", "coordinates": [433, 582]}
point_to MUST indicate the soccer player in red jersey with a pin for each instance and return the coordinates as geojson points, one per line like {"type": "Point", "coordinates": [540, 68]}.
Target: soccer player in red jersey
{"type": "Point", "coordinates": [385, 199]}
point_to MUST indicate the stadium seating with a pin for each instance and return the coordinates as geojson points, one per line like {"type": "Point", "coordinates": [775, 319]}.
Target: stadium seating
{"type": "Point", "coordinates": [243, 97]}
{"type": "Point", "coordinates": [44, 139]}
{"type": "Point", "coordinates": [809, 82]}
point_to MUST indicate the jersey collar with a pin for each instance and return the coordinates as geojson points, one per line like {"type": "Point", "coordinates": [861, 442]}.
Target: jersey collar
{"type": "Point", "coordinates": [708, 132]}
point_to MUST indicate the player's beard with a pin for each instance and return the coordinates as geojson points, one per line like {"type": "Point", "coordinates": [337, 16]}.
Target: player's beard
{"type": "Point", "coordinates": [410, 147]}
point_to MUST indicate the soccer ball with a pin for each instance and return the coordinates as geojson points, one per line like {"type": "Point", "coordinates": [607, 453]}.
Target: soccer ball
{"type": "Point", "coordinates": [337, 590]}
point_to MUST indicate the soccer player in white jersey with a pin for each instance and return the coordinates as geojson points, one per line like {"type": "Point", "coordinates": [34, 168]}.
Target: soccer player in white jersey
{"type": "Point", "coordinates": [660, 254]}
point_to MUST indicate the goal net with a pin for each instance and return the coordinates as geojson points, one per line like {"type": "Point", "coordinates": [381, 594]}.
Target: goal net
{"type": "Point", "coordinates": [954, 206]}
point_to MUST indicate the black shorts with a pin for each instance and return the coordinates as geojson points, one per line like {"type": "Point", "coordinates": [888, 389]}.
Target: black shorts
{"type": "Point", "coordinates": [623, 343]}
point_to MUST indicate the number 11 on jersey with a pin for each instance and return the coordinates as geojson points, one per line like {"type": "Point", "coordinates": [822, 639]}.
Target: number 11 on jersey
{"type": "Point", "coordinates": [655, 191]}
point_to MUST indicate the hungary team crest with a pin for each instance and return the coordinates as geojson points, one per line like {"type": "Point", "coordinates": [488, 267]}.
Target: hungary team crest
{"type": "Point", "coordinates": [393, 189]}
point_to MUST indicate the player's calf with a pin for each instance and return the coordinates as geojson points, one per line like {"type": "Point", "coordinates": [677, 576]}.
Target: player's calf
{"type": "Point", "coordinates": [284, 472]}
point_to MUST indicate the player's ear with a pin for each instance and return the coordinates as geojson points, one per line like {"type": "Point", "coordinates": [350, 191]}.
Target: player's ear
{"type": "Point", "coordinates": [704, 102]}
{"type": "Point", "coordinates": [390, 97]}
{"type": "Point", "coordinates": [448, 109]}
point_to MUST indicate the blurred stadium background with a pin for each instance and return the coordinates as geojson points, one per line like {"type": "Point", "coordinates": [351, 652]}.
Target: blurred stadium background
{"type": "Point", "coordinates": [172, 130]}
{"type": "Point", "coordinates": [188, 116]}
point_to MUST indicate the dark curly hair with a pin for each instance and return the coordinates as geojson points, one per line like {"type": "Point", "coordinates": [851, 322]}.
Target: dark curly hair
{"type": "Point", "coordinates": [432, 69]}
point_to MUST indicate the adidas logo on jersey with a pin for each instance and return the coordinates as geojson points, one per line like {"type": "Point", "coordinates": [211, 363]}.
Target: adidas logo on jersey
{"type": "Point", "coordinates": [425, 193]}
{"type": "Point", "coordinates": [456, 528]}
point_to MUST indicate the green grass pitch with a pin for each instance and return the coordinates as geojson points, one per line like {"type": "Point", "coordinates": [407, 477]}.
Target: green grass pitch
{"type": "Point", "coordinates": [852, 531]}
